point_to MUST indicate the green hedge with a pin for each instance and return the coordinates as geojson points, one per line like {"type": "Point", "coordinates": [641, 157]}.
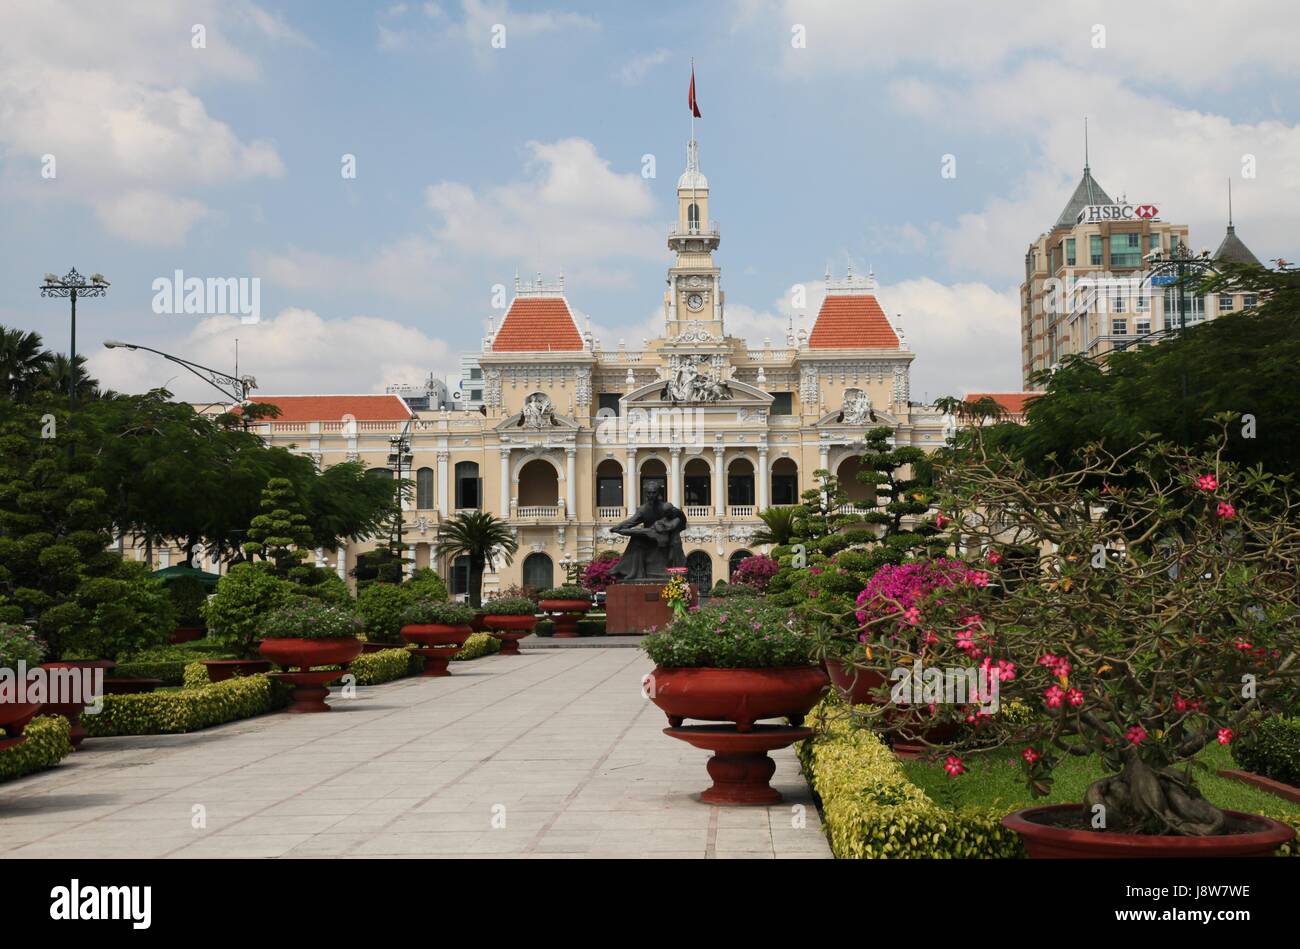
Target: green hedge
{"type": "Point", "coordinates": [1271, 748]}
{"type": "Point", "coordinates": [184, 710]}
{"type": "Point", "coordinates": [47, 744]}
{"type": "Point", "coordinates": [872, 811]}
{"type": "Point", "coordinates": [480, 644]}
{"type": "Point", "coordinates": [172, 671]}
{"type": "Point", "coordinates": [376, 668]}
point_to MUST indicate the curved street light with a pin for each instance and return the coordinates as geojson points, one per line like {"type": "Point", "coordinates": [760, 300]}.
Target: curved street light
{"type": "Point", "coordinates": [241, 385]}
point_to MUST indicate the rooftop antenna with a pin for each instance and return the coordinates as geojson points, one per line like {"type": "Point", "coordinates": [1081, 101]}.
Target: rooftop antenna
{"type": "Point", "coordinates": [1085, 143]}
{"type": "Point", "coordinates": [1229, 202]}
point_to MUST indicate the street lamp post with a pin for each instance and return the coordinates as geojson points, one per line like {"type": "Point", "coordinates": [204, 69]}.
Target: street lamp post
{"type": "Point", "coordinates": [73, 285]}
{"type": "Point", "coordinates": [240, 386]}
{"type": "Point", "coordinates": [399, 459]}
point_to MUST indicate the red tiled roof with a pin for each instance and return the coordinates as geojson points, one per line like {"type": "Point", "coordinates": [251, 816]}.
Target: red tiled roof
{"type": "Point", "coordinates": [852, 322]}
{"type": "Point", "coordinates": [1013, 402]}
{"type": "Point", "coordinates": [537, 325]}
{"type": "Point", "coordinates": [331, 408]}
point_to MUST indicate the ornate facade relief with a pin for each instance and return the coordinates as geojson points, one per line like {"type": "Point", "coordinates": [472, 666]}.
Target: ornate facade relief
{"type": "Point", "coordinates": [808, 385]}
{"type": "Point", "coordinates": [902, 385]}
{"type": "Point", "coordinates": [538, 412]}
{"type": "Point", "coordinates": [492, 388]}
{"type": "Point", "coordinates": [695, 379]}
{"type": "Point", "coordinates": [582, 385]}
{"type": "Point", "coordinates": [856, 408]}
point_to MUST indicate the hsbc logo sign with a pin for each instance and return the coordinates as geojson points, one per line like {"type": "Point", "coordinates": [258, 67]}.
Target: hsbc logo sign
{"type": "Point", "coordinates": [1096, 213]}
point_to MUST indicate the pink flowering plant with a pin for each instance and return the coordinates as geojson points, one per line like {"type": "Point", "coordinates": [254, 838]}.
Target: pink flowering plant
{"type": "Point", "coordinates": [755, 572]}
{"type": "Point", "coordinates": [599, 574]}
{"type": "Point", "coordinates": [1162, 616]}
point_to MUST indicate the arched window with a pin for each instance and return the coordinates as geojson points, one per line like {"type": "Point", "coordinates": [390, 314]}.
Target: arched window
{"type": "Point", "coordinates": [734, 561]}
{"type": "Point", "coordinates": [785, 481]}
{"type": "Point", "coordinates": [699, 566]}
{"type": "Point", "coordinates": [467, 484]}
{"type": "Point", "coordinates": [740, 482]}
{"type": "Point", "coordinates": [609, 484]}
{"type": "Point", "coordinates": [424, 489]}
{"type": "Point", "coordinates": [693, 217]}
{"type": "Point", "coordinates": [539, 572]}
{"type": "Point", "coordinates": [380, 472]}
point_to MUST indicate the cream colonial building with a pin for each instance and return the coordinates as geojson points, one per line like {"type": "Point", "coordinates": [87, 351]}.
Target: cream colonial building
{"type": "Point", "coordinates": [571, 436]}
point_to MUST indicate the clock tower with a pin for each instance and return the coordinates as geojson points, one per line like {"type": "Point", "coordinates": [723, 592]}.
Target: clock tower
{"type": "Point", "coordinates": [693, 302]}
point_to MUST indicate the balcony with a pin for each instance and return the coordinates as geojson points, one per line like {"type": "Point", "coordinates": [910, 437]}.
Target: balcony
{"type": "Point", "coordinates": [610, 513]}
{"type": "Point", "coordinates": [741, 510]}
{"type": "Point", "coordinates": [699, 510]}
{"type": "Point", "coordinates": [537, 511]}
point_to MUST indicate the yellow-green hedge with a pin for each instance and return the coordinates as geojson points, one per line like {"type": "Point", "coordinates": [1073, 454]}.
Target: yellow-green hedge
{"type": "Point", "coordinates": [183, 710]}
{"type": "Point", "coordinates": [376, 668]}
{"type": "Point", "coordinates": [46, 745]}
{"type": "Point", "coordinates": [872, 811]}
{"type": "Point", "coordinates": [480, 644]}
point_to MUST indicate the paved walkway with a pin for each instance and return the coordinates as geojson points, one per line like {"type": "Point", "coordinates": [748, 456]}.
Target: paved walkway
{"type": "Point", "coordinates": [554, 753]}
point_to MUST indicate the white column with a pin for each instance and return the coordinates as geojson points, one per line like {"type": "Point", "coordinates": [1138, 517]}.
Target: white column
{"type": "Point", "coordinates": [444, 483]}
{"type": "Point", "coordinates": [764, 477]}
{"type": "Point", "coordinates": [719, 483]}
{"type": "Point", "coordinates": [675, 477]}
{"type": "Point", "coordinates": [629, 482]}
{"type": "Point", "coordinates": [571, 482]}
{"type": "Point", "coordinates": [504, 510]}
{"type": "Point", "coordinates": [342, 565]}
{"type": "Point", "coordinates": [824, 458]}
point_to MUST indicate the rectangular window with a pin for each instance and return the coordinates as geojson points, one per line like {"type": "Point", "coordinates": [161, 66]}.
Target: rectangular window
{"type": "Point", "coordinates": [609, 491]}
{"type": "Point", "coordinates": [1225, 302]}
{"type": "Point", "coordinates": [696, 489]}
{"type": "Point", "coordinates": [607, 404]}
{"type": "Point", "coordinates": [1143, 326]}
{"type": "Point", "coordinates": [785, 489]}
{"type": "Point", "coordinates": [1119, 327]}
{"type": "Point", "coordinates": [460, 576]}
{"type": "Point", "coordinates": [1069, 252]}
{"type": "Point", "coordinates": [476, 374]}
{"type": "Point", "coordinates": [1143, 303]}
{"type": "Point", "coordinates": [1126, 250]}
{"type": "Point", "coordinates": [1117, 304]}
{"type": "Point", "coordinates": [1094, 249]}
{"type": "Point", "coordinates": [1249, 301]}
{"type": "Point", "coordinates": [1153, 243]}
{"type": "Point", "coordinates": [476, 395]}
{"type": "Point", "coordinates": [782, 403]}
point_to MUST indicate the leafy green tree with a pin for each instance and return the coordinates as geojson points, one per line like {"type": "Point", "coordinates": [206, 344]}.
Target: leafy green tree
{"type": "Point", "coordinates": [427, 585]}
{"type": "Point", "coordinates": [382, 606]}
{"type": "Point", "coordinates": [480, 537]}
{"type": "Point", "coordinates": [244, 596]}
{"type": "Point", "coordinates": [281, 533]}
{"type": "Point", "coordinates": [127, 612]}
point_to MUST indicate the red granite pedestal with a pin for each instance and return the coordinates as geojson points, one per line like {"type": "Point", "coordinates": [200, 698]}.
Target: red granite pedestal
{"type": "Point", "coordinates": [633, 607]}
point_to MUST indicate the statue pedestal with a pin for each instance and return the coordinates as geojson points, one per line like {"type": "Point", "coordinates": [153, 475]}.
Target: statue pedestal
{"type": "Point", "coordinates": [634, 607]}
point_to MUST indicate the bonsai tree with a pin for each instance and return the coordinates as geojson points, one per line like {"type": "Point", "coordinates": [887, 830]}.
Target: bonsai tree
{"type": "Point", "coordinates": [281, 533]}
{"type": "Point", "coordinates": [436, 613]}
{"type": "Point", "coordinates": [1162, 618]}
{"type": "Point", "coordinates": [244, 597]}
{"type": "Point", "coordinates": [308, 618]}
{"type": "Point", "coordinates": [425, 584]}
{"type": "Point", "coordinates": [481, 538]}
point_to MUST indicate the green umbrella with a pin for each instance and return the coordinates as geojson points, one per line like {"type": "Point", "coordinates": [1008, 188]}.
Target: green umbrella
{"type": "Point", "coordinates": [180, 570]}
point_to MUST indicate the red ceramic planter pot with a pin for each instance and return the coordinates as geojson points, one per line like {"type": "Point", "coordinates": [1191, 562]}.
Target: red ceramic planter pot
{"type": "Point", "coordinates": [510, 629]}
{"type": "Point", "coordinates": [1043, 840]}
{"type": "Point", "coordinates": [743, 696]}
{"type": "Point", "coordinates": [310, 687]}
{"type": "Point", "coordinates": [437, 643]}
{"type": "Point", "coordinates": [570, 611]}
{"type": "Point", "coordinates": [219, 670]}
{"type": "Point", "coordinates": [854, 684]}
{"type": "Point", "coordinates": [14, 717]}
{"type": "Point", "coordinates": [72, 710]}
{"type": "Point", "coordinates": [187, 634]}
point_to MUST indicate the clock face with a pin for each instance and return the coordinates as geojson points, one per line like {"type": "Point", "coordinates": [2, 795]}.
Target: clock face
{"type": "Point", "coordinates": [695, 301]}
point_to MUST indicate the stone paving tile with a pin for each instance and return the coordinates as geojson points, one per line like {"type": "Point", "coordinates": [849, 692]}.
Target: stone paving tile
{"type": "Point", "coordinates": [557, 743]}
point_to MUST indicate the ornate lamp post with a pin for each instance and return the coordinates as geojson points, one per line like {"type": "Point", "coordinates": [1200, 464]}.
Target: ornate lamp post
{"type": "Point", "coordinates": [240, 386]}
{"type": "Point", "coordinates": [400, 460]}
{"type": "Point", "coordinates": [73, 285]}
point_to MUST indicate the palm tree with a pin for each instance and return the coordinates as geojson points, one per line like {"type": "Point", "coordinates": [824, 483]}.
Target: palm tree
{"type": "Point", "coordinates": [481, 537]}
{"type": "Point", "coordinates": [778, 525]}
{"type": "Point", "coordinates": [23, 362]}
{"type": "Point", "coordinates": [55, 377]}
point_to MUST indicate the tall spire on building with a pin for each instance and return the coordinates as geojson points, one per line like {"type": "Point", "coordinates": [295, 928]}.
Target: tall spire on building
{"type": "Point", "coordinates": [1232, 249]}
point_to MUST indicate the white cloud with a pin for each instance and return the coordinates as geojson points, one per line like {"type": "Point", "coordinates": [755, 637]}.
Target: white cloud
{"type": "Point", "coordinates": [478, 28]}
{"type": "Point", "coordinates": [103, 89]}
{"type": "Point", "coordinates": [297, 351]}
{"type": "Point", "coordinates": [636, 68]}
{"type": "Point", "coordinates": [149, 217]}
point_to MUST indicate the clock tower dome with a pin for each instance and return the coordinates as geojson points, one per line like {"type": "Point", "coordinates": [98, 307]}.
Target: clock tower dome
{"type": "Point", "coordinates": [693, 301]}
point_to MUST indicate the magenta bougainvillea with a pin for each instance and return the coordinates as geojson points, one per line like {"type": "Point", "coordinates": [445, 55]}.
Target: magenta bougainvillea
{"type": "Point", "coordinates": [755, 572]}
{"type": "Point", "coordinates": [900, 589]}
{"type": "Point", "coordinates": [598, 575]}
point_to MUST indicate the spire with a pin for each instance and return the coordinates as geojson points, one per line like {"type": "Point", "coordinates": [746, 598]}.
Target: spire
{"type": "Point", "coordinates": [1229, 203]}
{"type": "Point", "coordinates": [1087, 192]}
{"type": "Point", "coordinates": [1232, 249]}
{"type": "Point", "coordinates": [692, 179]}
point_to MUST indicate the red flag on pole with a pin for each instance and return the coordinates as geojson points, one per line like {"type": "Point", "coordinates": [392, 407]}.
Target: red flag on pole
{"type": "Point", "coordinates": [690, 100]}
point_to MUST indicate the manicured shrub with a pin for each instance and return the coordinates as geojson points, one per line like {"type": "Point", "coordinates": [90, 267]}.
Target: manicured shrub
{"type": "Point", "coordinates": [244, 597]}
{"type": "Point", "coordinates": [544, 627]}
{"type": "Point", "coordinates": [746, 634]}
{"type": "Point", "coordinates": [325, 585]}
{"type": "Point", "coordinates": [480, 644]}
{"type": "Point", "coordinates": [195, 676]}
{"type": "Point", "coordinates": [872, 811]}
{"type": "Point", "coordinates": [1271, 748]}
{"type": "Point", "coordinates": [312, 619]}
{"type": "Point", "coordinates": [510, 606]}
{"type": "Point", "coordinates": [425, 584]}
{"type": "Point", "coordinates": [171, 672]}
{"type": "Point", "coordinates": [591, 626]}
{"type": "Point", "coordinates": [183, 710]}
{"type": "Point", "coordinates": [187, 595]}
{"type": "Point", "coordinates": [431, 612]}
{"type": "Point", "coordinates": [19, 643]}
{"type": "Point", "coordinates": [126, 611]}
{"type": "Point", "coordinates": [566, 592]}
{"type": "Point", "coordinates": [381, 606]}
{"type": "Point", "coordinates": [47, 744]}
{"type": "Point", "coordinates": [376, 668]}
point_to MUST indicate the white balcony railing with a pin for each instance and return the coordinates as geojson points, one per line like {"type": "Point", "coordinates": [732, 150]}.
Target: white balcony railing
{"type": "Point", "coordinates": [538, 510]}
{"type": "Point", "coordinates": [609, 513]}
{"type": "Point", "coordinates": [699, 510]}
{"type": "Point", "coordinates": [857, 509]}
{"type": "Point", "coordinates": [741, 510]}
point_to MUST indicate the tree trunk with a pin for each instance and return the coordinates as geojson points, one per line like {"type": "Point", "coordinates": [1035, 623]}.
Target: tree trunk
{"type": "Point", "coordinates": [1142, 800]}
{"type": "Point", "coordinates": [476, 565]}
